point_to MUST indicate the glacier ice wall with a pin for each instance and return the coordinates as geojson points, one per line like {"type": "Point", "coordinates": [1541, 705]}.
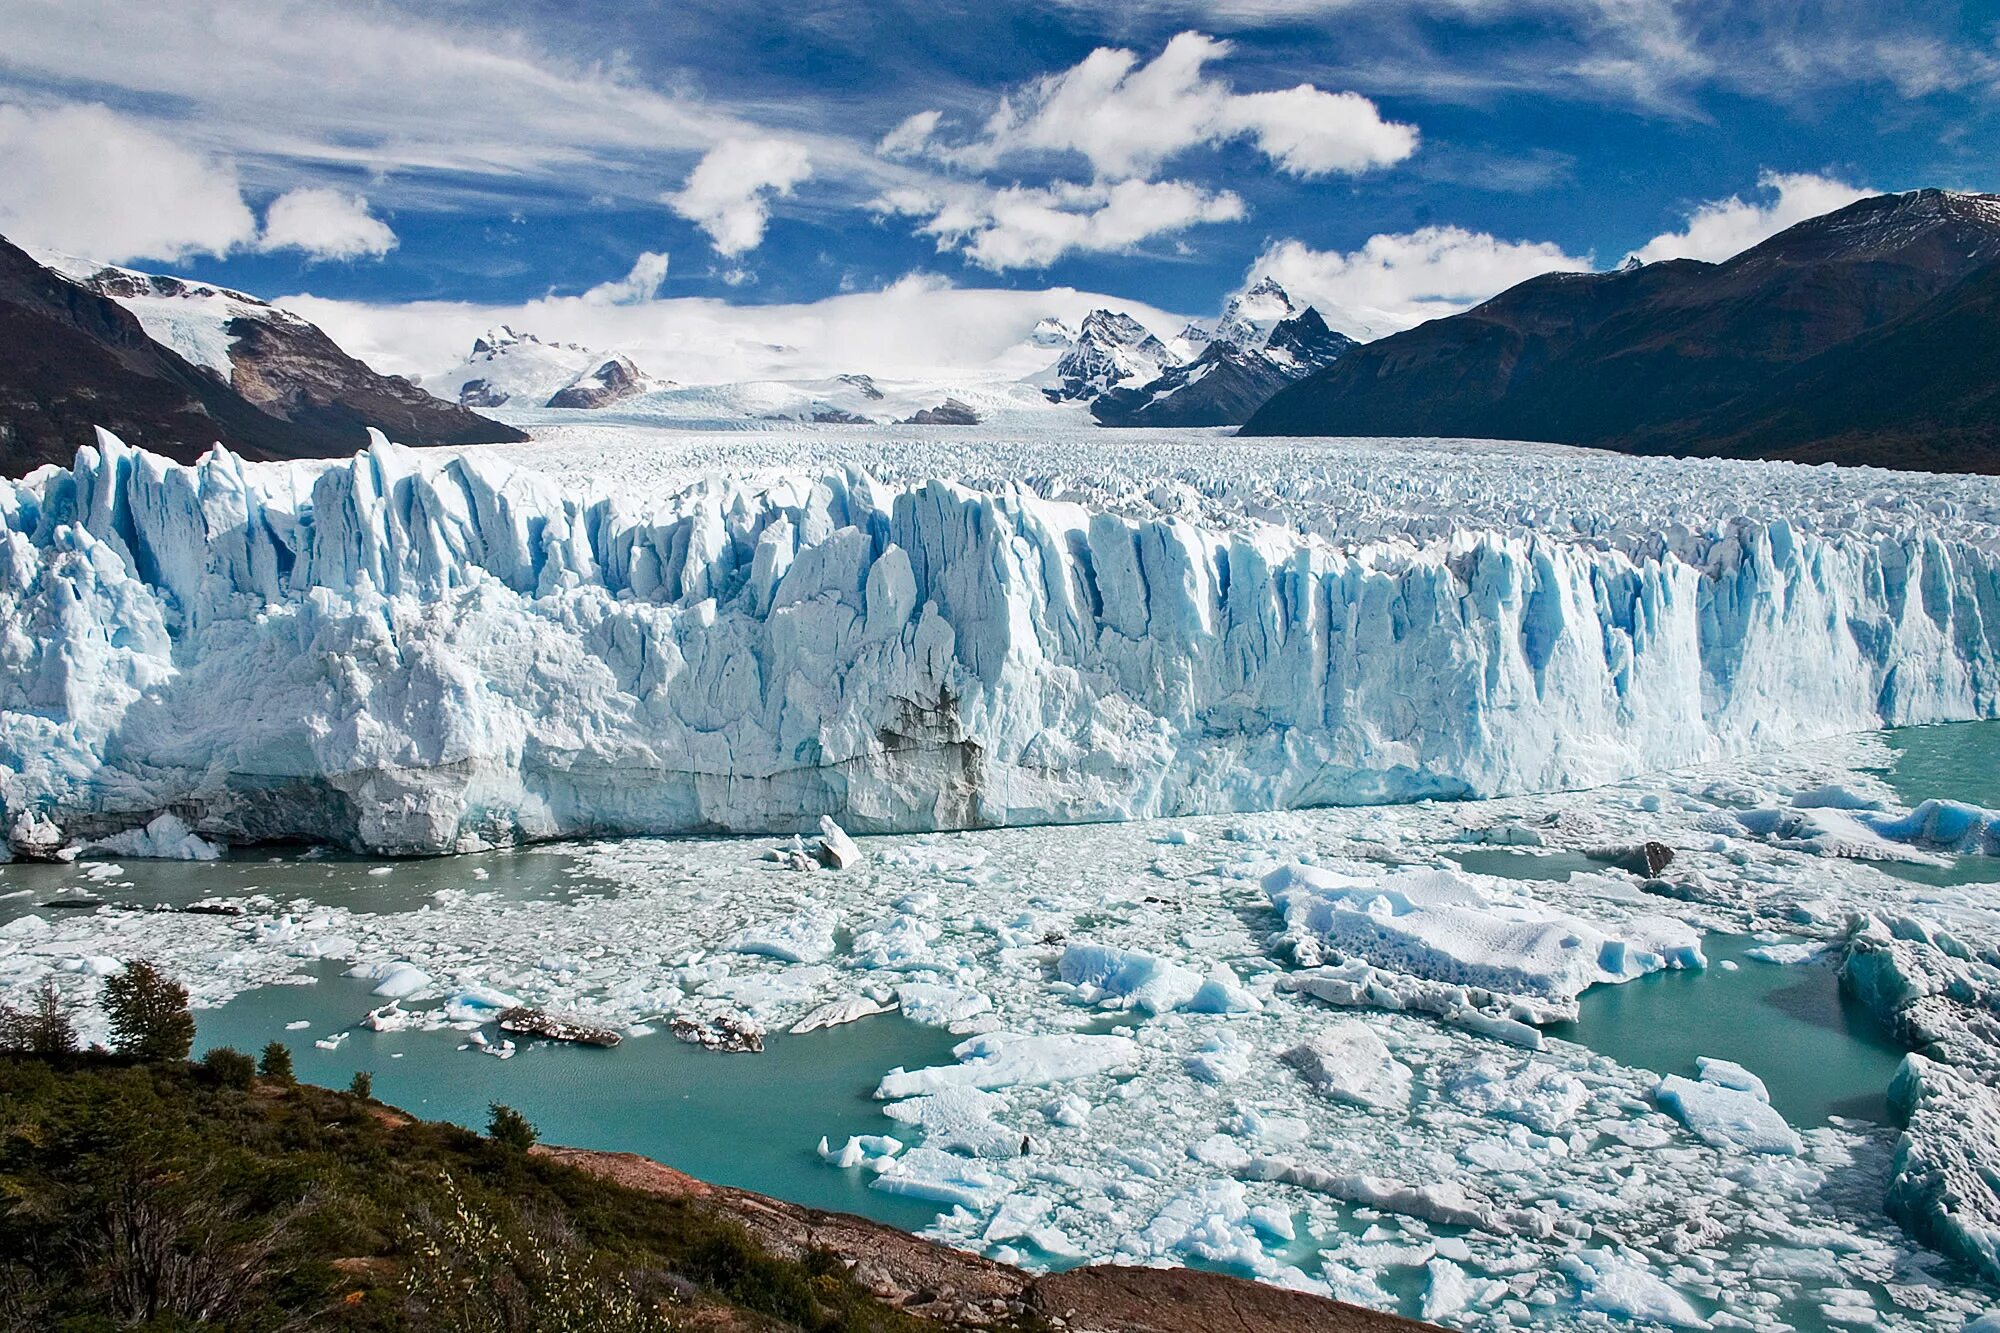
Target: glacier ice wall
{"type": "Point", "coordinates": [409, 655]}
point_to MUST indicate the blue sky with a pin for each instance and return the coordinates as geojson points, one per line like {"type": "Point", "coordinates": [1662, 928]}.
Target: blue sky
{"type": "Point", "coordinates": [1392, 157]}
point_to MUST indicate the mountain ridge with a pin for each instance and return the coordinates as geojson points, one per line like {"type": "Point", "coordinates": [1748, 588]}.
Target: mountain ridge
{"type": "Point", "coordinates": [1669, 357]}
{"type": "Point", "coordinates": [271, 387]}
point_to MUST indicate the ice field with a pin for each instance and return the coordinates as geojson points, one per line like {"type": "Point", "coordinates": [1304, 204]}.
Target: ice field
{"type": "Point", "coordinates": [1347, 1048]}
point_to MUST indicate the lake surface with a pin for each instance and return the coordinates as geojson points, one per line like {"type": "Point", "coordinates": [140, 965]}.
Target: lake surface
{"type": "Point", "coordinates": [749, 1120]}
{"type": "Point", "coordinates": [1818, 1052]}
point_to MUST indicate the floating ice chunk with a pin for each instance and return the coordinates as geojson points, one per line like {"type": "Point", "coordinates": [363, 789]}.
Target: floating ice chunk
{"type": "Point", "coordinates": [872, 1151]}
{"type": "Point", "coordinates": [959, 1120]}
{"type": "Point", "coordinates": [1624, 1287]}
{"type": "Point", "coordinates": [1349, 1063]}
{"type": "Point", "coordinates": [1726, 1116]}
{"type": "Point", "coordinates": [1017, 1217]}
{"type": "Point", "coordinates": [1465, 930]}
{"type": "Point", "coordinates": [1449, 1291]}
{"type": "Point", "coordinates": [478, 1004]}
{"type": "Point", "coordinates": [1729, 1074]}
{"type": "Point", "coordinates": [1942, 1187]}
{"type": "Point", "coordinates": [1539, 1096]}
{"type": "Point", "coordinates": [394, 981]}
{"type": "Point", "coordinates": [805, 938]}
{"type": "Point", "coordinates": [1128, 978]}
{"type": "Point", "coordinates": [1211, 1222]}
{"type": "Point", "coordinates": [1068, 1110]}
{"type": "Point", "coordinates": [1222, 993]}
{"type": "Point", "coordinates": [836, 850]}
{"type": "Point", "coordinates": [940, 1006]}
{"type": "Point", "coordinates": [1222, 1059]}
{"type": "Point", "coordinates": [847, 1009]}
{"type": "Point", "coordinates": [1445, 1202]}
{"type": "Point", "coordinates": [1006, 1060]}
{"type": "Point", "coordinates": [166, 838]}
{"type": "Point", "coordinates": [1789, 955]}
{"type": "Point", "coordinates": [943, 1177]}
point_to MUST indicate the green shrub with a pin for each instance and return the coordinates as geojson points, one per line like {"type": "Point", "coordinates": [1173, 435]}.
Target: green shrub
{"type": "Point", "coordinates": [228, 1067]}
{"type": "Point", "coordinates": [363, 1085]}
{"type": "Point", "coordinates": [149, 1014]}
{"type": "Point", "coordinates": [509, 1128]}
{"type": "Point", "coordinates": [276, 1063]}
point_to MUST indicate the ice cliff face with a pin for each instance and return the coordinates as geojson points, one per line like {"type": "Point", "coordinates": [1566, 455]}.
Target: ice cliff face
{"type": "Point", "coordinates": [412, 655]}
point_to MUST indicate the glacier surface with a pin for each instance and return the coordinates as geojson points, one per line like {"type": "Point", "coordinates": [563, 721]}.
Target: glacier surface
{"type": "Point", "coordinates": [416, 653]}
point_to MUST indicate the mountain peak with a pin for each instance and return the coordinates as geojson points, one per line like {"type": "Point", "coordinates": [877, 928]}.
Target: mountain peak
{"type": "Point", "coordinates": [1251, 314]}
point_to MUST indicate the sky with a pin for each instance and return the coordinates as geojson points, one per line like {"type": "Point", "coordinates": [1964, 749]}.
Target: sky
{"type": "Point", "coordinates": [845, 172]}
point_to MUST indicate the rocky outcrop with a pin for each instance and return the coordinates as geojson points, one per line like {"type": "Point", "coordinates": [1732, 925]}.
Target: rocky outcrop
{"type": "Point", "coordinates": [954, 1289]}
{"type": "Point", "coordinates": [614, 381]}
{"type": "Point", "coordinates": [950, 412]}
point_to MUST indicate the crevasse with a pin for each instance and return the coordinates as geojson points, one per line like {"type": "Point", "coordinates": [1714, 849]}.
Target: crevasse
{"type": "Point", "coordinates": [408, 654]}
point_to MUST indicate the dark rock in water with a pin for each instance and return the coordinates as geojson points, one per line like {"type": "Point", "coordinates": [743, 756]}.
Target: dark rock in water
{"type": "Point", "coordinates": [950, 412]}
{"type": "Point", "coordinates": [1646, 860]}
{"type": "Point", "coordinates": [535, 1023]}
{"type": "Point", "coordinates": [720, 1032]}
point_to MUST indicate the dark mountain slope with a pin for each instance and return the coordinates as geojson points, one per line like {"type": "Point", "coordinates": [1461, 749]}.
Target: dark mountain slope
{"type": "Point", "coordinates": [72, 358]}
{"type": "Point", "coordinates": [1647, 359]}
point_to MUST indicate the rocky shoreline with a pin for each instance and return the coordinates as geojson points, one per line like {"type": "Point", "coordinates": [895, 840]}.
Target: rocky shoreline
{"type": "Point", "coordinates": [956, 1289]}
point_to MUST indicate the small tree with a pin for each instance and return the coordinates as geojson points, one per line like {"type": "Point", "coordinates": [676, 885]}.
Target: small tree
{"type": "Point", "coordinates": [363, 1085]}
{"type": "Point", "coordinates": [509, 1128]}
{"type": "Point", "coordinates": [228, 1067]}
{"type": "Point", "coordinates": [276, 1063]}
{"type": "Point", "coordinates": [43, 1028]}
{"type": "Point", "coordinates": [149, 1014]}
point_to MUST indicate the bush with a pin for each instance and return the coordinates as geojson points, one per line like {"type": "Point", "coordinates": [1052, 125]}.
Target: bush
{"type": "Point", "coordinates": [363, 1084]}
{"type": "Point", "coordinates": [228, 1067]}
{"type": "Point", "coordinates": [276, 1063]}
{"type": "Point", "coordinates": [43, 1028]}
{"type": "Point", "coordinates": [509, 1128]}
{"type": "Point", "coordinates": [149, 1014]}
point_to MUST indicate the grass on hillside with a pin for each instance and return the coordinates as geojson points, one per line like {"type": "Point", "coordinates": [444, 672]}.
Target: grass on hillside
{"type": "Point", "coordinates": [170, 1195]}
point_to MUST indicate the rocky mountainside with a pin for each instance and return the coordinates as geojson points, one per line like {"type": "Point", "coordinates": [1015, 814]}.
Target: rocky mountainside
{"type": "Point", "coordinates": [178, 366]}
{"type": "Point", "coordinates": [1879, 306]}
{"type": "Point", "coordinates": [1110, 349]}
{"type": "Point", "coordinates": [1248, 358]}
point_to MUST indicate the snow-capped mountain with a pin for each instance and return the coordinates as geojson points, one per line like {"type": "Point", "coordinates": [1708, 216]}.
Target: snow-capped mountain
{"type": "Point", "coordinates": [614, 381]}
{"type": "Point", "coordinates": [508, 368]}
{"type": "Point", "coordinates": [1110, 349]}
{"type": "Point", "coordinates": [180, 366]}
{"type": "Point", "coordinates": [1247, 359]}
{"type": "Point", "coordinates": [1251, 316]}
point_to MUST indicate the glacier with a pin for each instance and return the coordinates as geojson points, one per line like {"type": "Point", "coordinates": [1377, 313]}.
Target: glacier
{"type": "Point", "coordinates": [415, 653]}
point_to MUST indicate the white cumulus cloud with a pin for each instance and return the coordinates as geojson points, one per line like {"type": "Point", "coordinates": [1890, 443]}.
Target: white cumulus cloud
{"type": "Point", "coordinates": [1397, 281]}
{"type": "Point", "coordinates": [649, 270]}
{"type": "Point", "coordinates": [84, 179]}
{"type": "Point", "coordinates": [1032, 227]}
{"type": "Point", "coordinates": [1128, 118]}
{"type": "Point", "coordinates": [326, 224]}
{"type": "Point", "coordinates": [728, 193]}
{"type": "Point", "coordinates": [1725, 227]}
